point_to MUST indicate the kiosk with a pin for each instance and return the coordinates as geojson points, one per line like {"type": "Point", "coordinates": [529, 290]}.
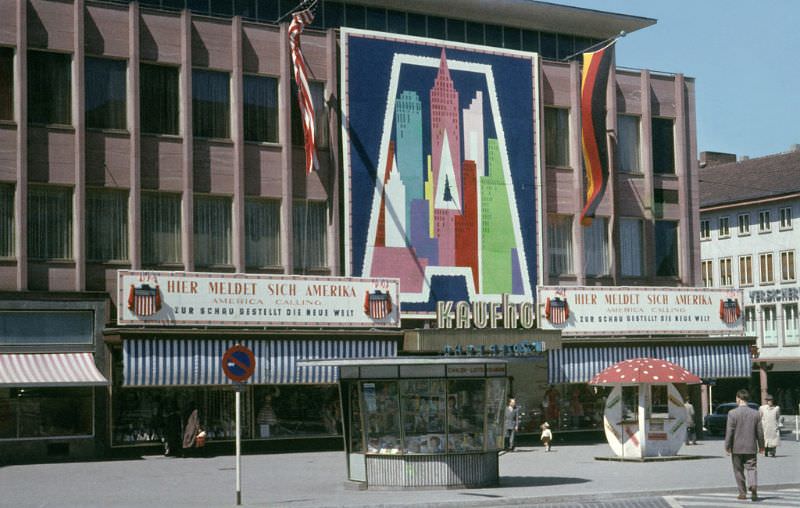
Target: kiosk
{"type": "Point", "coordinates": [644, 413]}
{"type": "Point", "coordinates": [421, 422]}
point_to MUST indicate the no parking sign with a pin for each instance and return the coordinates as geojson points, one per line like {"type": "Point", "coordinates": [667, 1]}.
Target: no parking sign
{"type": "Point", "coordinates": [238, 363]}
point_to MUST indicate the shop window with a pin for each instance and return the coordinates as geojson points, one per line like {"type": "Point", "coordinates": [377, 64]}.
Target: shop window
{"type": "Point", "coordinates": [161, 228]}
{"type": "Point", "coordinates": [310, 226]}
{"type": "Point", "coordinates": [559, 237]}
{"type": "Point", "coordinates": [49, 88]}
{"type": "Point", "coordinates": [159, 97]}
{"type": "Point", "coordinates": [630, 403]}
{"type": "Point", "coordinates": [46, 412]}
{"type": "Point", "coordinates": [556, 137]}
{"type": "Point", "coordinates": [791, 326]}
{"type": "Point", "coordinates": [106, 225]}
{"type": "Point", "coordinates": [595, 247]}
{"type": "Point", "coordinates": [6, 220]}
{"type": "Point", "coordinates": [465, 414]}
{"type": "Point", "coordinates": [744, 224]}
{"type": "Point", "coordinates": [382, 417]}
{"type": "Point", "coordinates": [49, 222]}
{"type": "Point", "coordinates": [659, 405]}
{"type": "Point", "coordinates": [745, 270]}
{"type": "Point", "coordinates": [631, 243]}
{"type": "Point", "coordinates": [40, 327]}
{"type": "Point", "coordinates": [663, 146]}
{"type": "Point", "coordinates": [212, 231]}
{"type": "Point", "coordinates": [317, 89]}
{"type": "Point", "coordinates": [7, 84]}
{"type": "Point", "coordinates": [211, 102]}
{"type": "Point", "coordinates": [284, 411]}
{"type": "Point", "coordinates": [105, 93]}
{"type": "Point", "coordinates": [262, 218]}
{"type": "Point", "coordinates": [423, 403]}
{"type": "Point", "coordinates": [260, 100]}
{"type": "Point", "coordinates": [629, 144]}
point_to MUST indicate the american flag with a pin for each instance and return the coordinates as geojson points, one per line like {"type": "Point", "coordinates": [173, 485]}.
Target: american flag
{"type": "Point", "coordinates": [299, 20]}
{"type": "Point", "coordinates": [729, 310]}
{"type": "Point", "coordinates": [377, 305]}
{"type": "Point", "coordinates": [144, 300]}
{"type": "Point", "coordinates": [556, 311]}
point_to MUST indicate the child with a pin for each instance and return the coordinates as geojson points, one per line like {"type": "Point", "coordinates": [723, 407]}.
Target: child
{"type": "Point", "coordinates": [547, 436]}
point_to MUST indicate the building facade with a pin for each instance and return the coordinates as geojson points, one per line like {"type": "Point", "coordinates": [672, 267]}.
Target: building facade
{"type": "Point", "coordinates": [164, 136]}
{"type": "Point", "coordinates": [749, 240]}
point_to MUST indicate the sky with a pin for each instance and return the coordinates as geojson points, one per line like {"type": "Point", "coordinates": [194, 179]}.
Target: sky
{"type": "Point", "coordinates": [743, 55]}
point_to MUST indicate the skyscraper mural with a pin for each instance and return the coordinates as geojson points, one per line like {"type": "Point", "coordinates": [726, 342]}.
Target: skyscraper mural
{"type": "Point", "coordinates": [440, 168]}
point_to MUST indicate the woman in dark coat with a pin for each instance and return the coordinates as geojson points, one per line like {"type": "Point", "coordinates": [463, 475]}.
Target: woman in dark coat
{"type": "Point", "coordinates": [190, 431]}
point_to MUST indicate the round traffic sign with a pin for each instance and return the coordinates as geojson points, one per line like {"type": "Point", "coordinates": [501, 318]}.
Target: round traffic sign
{"type": "Point", "coordinates": [238, 363]}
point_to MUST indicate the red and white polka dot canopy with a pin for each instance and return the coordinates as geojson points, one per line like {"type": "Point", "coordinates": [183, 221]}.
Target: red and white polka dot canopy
{"type": "Point", "coordinates": [644, 371]}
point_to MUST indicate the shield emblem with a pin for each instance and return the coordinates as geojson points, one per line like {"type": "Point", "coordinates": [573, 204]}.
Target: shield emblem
{"type": "Point", "coordinates": [729, 310]}
{"type": "Point", "coordinates": [377, 304]}
{"type": "Point", "coordinates": [556, 310]}
{"type": "Point", "coordinates": [144, 300]}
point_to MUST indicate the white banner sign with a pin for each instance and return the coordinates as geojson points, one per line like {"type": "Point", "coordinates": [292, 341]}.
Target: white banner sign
{"type": "Point", "coordinates": [218, 299]}
{"type": "Point", "coordinates": [578, 310]}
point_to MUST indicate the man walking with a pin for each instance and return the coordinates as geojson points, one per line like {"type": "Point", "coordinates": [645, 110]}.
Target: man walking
{"type": "Point", "coordinates": [511, 424]}
{"type": "Point", "coordinates": [691, 435]}
{"type": "Point", "coordinates": [744, 438]}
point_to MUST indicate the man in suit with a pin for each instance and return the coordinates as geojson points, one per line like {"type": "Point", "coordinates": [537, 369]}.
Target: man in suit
{"type": "Point", "coordinates": [744, 438]}
{"type": "Point", "coordinates": [511, 423]}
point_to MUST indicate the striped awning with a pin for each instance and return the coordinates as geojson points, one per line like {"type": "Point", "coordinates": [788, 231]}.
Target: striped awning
{"type": "Point", "coordinates": [174, 362]}
{"type": "Point", "coordinates": [49, 369]}
{"type": "Point", "coordinates": [709, 361]}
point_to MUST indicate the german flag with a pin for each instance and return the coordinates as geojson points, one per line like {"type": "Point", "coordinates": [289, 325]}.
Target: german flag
{"type": "Point", "coordinates": [596, 67]}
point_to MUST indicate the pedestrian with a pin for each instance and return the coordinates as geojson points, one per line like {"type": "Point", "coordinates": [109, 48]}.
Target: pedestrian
{"type": "Point", "coordinates": [547, 436]}
{"type": "Point", "coordinates": [266, 418]}
{"type": "Point", "coordinates": [191, 432]}
{"type": "Point", "coordinates": [511, 424]}
{"type": "Point", "coordinates": [771, 422]}
{"type": "Point", "coordinates": [744, 438]}
{"type": "Point", "coordinates": [691, 433]}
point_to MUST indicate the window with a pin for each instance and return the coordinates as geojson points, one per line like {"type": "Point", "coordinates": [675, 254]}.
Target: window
{"type": "Point", "coordinates": [310, 235]}
{"type": "Point", "coordinates": [262, 223]}
{"type": "Point", "coordinates": [663, 146]}
{"type": "Point", "coordinates": [559, 239]}
{"type": "Point", "coordinates": [49, 88]}
{"type": "Point", "coordinates": [595, 246]}
{"type": "Point", "coordinates": [750, 321]}
{"type": "Point", "coordinates": [47, 327]}
{"type": "Point", "coordinates": [556, 137]}
{"type": "Point", "coordinates": [212, 230]}
{"type": "Point", "coordinates": [723, 230]}
{"type": "Point", "coordinates": [770, 325]}
{"type": "Point", "coordinates": [763, 221]}
{"type": "Point", "coordinates": [787, 266]}
{"type": "Point", "coordinates": [628, 144]}
{"type": "Point", "coordinates": [666, 248]}
{"type": "Point", "coordinates": [791, 326]}
{"type": "Point", "coordinates": [7, 84]}
{"type": "Point", "coordinates": [765, 263]}
{"type": "Point", "coordinates": [211, 104]}
{"type": "Point", "coordinates": [631, 247]}
{"type": "Point", "coordinates": [106, 225]}
{"type": "Point", "coordinates": [6, 220]}
{"type": "Point", "coordinates": [105, 93]}
{"type": "Point", "coordinates": [159, 95]}
{"type": "Point", "coordinates": [161, 228]}
{"type": "Point", "coordinates": [46, 412]}
{"type": "Point", "coordinates": [49, 222]}
{"type": "Point", "coordinates": [317, 89]}
{"type": "Point", "coordinates": [725, 272]}
{"type": "Point", "coordinates": [260, 109]}
{"type": "Point", "coordinates": [745, 270]}
{"type": "Point", "coordinates": [705, 229]}
{"type": "Point", "coordinates": [786, 218]}
{"type": "Point", "coordinates": [707, 273]}
{"type": "Point", "coordinates": [744, 224]}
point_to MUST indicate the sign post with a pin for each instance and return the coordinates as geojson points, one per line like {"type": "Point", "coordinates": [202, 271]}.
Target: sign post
{"type": "Point", "coordinates": [238, 364]}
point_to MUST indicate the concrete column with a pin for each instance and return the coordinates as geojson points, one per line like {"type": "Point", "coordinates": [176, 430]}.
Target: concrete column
{"type": "Point", "coordinates": [285, 139]}
{"type": "Point", "coordinates": [647, 171]}
{"type": "Point", "coordinates": [331, 101]}
{"type": "Point", "coordinates": [135, 128]}
{"type": "Point", "coordinates": [187, 202]}
{"type": "Point", "coordinates": [79, 121]}
{"type": "Point", "coordinates": [576, 161]}
{"type": "Point", "coordinates": [21, 108]}
{"type": "Point", "coordinates": [237, 135]}
{"type": "Point", "coordinates": [644, 404]}
{"type": "Point", "coordinates": [682, 171]}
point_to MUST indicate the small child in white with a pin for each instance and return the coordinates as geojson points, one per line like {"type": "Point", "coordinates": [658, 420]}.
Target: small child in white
{"type": "Point", "coordinates": [547, 436]}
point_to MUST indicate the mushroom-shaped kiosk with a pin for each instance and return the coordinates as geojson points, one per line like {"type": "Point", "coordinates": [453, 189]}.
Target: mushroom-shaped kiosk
{"type": "Point", "coordinates": [644, 414]}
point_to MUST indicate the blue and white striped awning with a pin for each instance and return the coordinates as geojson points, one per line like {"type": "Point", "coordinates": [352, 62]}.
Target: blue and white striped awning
{"type": "Point", "coordinates": [175, 362]}
{"type": "Point", "coordinates": [711, 361]}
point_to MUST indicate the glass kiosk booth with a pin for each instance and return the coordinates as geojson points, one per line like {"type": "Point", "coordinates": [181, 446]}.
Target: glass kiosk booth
{"type": "Point", "coordinates": [421, 422]}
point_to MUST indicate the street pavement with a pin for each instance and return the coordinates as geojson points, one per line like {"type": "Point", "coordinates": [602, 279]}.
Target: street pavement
{"type": "Point", "coordinates": [568, 476]}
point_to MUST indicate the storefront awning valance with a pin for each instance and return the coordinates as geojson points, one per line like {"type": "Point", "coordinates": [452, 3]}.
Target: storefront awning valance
{"type": "Point", "coordinates": [708, 361]}
{"type": "Point", "coordinates": [49, 369]}
{"type": "Point", "coordinates": [173, 362]}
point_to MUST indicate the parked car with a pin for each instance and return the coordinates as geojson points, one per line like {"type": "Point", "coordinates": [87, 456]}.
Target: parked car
{"type": "Point", "coordinates": [716, 422]}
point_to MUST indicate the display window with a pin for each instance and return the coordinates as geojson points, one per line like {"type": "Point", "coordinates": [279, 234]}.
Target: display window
{"type": "Point", "coordinates": [565, 407]}
{"type": "Point", "coordinates": [46, 412]}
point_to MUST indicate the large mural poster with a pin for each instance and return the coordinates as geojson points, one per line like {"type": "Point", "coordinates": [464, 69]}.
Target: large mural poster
{"type": "Point", "coordinates": [440, 168]}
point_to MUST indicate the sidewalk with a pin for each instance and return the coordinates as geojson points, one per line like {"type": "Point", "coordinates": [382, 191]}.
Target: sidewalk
{"type": "Point", "coordinates": [528, 476]}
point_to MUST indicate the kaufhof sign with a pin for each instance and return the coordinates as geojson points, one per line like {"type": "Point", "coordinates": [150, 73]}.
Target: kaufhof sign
{"type": "Point", "coordinates": [185, 298]}
{"type": "Point", "coordinates": [579, 310]}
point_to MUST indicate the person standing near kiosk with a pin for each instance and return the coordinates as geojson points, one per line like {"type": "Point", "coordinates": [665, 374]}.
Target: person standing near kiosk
{"type": "Point", "coordinates": [511, 425]}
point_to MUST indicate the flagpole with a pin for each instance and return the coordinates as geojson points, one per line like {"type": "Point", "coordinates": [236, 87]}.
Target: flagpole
{"type": "Point", "coordinates": [305, 4]}
{"type": "Point", "coordinates": [600, 44]}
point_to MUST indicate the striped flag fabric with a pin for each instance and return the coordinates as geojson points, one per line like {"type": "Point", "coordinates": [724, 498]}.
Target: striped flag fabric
{"type": "Point", "coordinates": [729, 310]}
{"type": "Point", "coordinates": [144, 300]}
{"type": "Point", "coordinates": [299, 20]}
{"type": "Point", "coordinates": [596, 68]}
{"type": "Point", "coordinates": [556, 311]}
{"type": "Point", "coordinates": [377, 305]}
